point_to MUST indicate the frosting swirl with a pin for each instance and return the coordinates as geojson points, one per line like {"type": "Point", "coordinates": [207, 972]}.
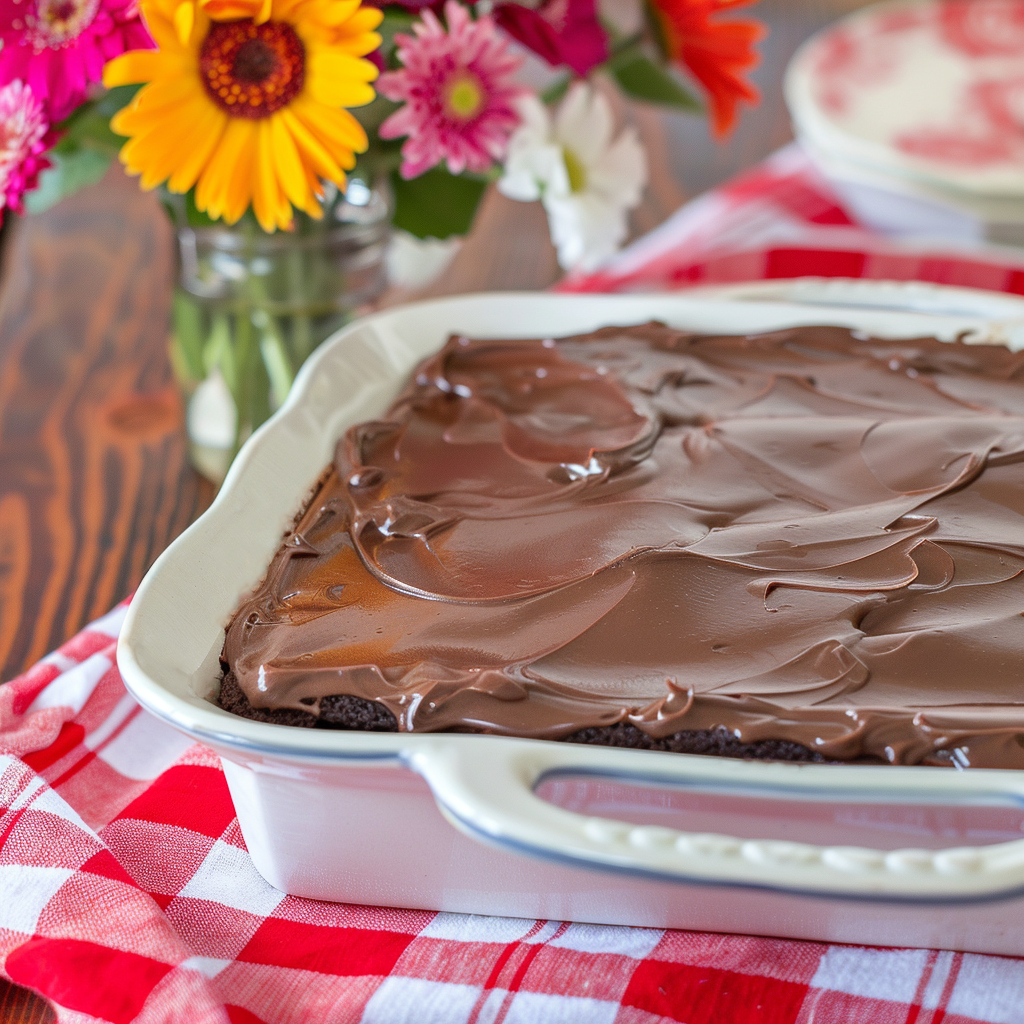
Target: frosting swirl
{"type": "Point", "coordinates": [807, 535]}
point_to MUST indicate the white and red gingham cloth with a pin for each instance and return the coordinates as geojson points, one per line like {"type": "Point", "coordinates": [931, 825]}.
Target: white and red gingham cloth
{"type": "Point", "coordinates": [127, 894]}
{"type": "Point", "coordinates": [781, 219]}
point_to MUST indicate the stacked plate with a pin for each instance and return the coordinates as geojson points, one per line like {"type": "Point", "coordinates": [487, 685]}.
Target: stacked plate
{"type": "Point", "coordinates": [914, 110]}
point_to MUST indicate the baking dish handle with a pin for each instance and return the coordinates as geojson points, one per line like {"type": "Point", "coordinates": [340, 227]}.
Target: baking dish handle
{"type": "Point", "coordinates": [485, 787]}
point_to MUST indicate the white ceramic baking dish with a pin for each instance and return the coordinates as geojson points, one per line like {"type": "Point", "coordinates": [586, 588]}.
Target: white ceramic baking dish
{"type": "Point", "coordinates": [479, 824]}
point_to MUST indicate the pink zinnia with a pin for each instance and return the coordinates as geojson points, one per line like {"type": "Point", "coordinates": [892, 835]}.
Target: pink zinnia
{"type": "Point", "coordinates": [25, 135]}
{"type": "Point", "coordinates": [58, 47]}
{"type": "Point", "coordinates": [458, 91]}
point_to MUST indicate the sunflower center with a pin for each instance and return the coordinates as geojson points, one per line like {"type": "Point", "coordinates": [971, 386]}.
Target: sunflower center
{"type": "Point", "coordinates": [575, 169]}
{"type": "Point", "coordinates": [251, 70]}
{"type": "Point", "coordinates": [464, 96]}
{"type": "Point", "coordinates": [54, 23]}
{"type": "Point", "coordinates": [254, 62]}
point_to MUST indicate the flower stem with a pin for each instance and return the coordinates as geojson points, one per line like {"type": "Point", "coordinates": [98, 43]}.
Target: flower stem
{"type": "Point", "coordinates": [301, 325]}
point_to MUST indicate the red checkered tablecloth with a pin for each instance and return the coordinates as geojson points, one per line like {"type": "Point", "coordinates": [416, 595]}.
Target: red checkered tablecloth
{"type": "Point", "coordinates": [781, 219]}
{"type": "Point", "coordinates": [127, 894]}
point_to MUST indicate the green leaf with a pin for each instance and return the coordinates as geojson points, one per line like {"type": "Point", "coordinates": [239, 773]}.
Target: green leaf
{"type": "Point", "coordinates": [436, 204]}
{"type": "Point", "coordinates": [656, 28]}
{"type": "Point", "coordinates": [84, 151]}
{"type": "Point", "coordinates": [116, 99]}
{"type": "Point", "coordinates": [372, 115]}
{"type": "Point", "coordinates": [69, 173]}
{"type": "Point", "coordinates": [90, 131]}
{"type": "Point", "coordinates": [182, 210]}
{"type": "Point", "coordinates": [188, 334]}
{"type": "Point", "coordinates": [556, 90]}
{"type": "Point", "coordinates": [194, 217]}
{"type": "Point", "coordinates": [395, 20]}
{"type": "Point", "coordinates": [89, 126]}
{"type": "Point", "coordinates": [644, 79]}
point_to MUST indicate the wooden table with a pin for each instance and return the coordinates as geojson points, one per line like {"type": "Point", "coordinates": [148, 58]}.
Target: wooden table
{"type": "Point", "coordinates": [94, 481]}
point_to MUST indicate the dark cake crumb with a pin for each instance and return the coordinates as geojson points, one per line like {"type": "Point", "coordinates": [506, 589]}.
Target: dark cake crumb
{"type": "Point", "coordinates": [341, 711]}
{"type": "Point", "coordinates": [338, 711]}
{"type": "Point", "coordinates": [718, 742]}
{"type": "Point", "coordinates": [232, 699]}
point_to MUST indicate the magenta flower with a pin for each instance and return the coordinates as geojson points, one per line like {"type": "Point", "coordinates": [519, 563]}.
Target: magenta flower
{"type": "Point", "coordinates": [58, 47]}
{"type": "Point", "coordinates": [561, 31]}
{"type": "Point", "coordinates": [25, 135]}
{"type": "Point", "coordinates": [460, 99]}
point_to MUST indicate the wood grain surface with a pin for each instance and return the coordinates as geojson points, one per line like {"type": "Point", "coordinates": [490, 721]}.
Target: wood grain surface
{"type": "Point", "coordinates": [20, 1006]}
{"type": "Point", "coordinates": [93, 478]}
{"type": "Point", "coordinates": [94, 481]}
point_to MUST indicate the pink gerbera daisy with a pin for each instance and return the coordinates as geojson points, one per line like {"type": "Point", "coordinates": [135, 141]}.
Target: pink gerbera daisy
{"type": "Point", "coordinates": [460, 100]}
{"type": "Point", "coordinates": [25, 135]}
{"type": "Point", "coordinates": [58, 47]}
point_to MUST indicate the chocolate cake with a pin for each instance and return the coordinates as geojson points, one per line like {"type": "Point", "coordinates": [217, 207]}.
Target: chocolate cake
{"type": "Point", "coordinates": [806, 544]}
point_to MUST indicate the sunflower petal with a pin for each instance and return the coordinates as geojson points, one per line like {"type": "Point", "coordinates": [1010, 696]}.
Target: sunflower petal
{"type": "Point", "coordinates": [327, 60]}
{"type": "Point", "coordinates": [153, 155]}
{"type": "Point", "coordinates": [184, 19]}
{"type": "Point", "coordinates": [360, 45]}
{"type": "Point", "coordinates": [239, 188]}
{"type": "Point", "coordinates": [220, 186]}
{"type": "Point", "coordinates": [163, 29]}
{"type": "Point", "coordinates": [285, 10]}
{"type": "Point", "coordinates": [208, 129]}
{"type": "Point", "coordinates": [157, 100]}
{"type": "Point", "coordinates": [288, 165]}
{"type": "Point", "coordinates": [366, 19]}
{"type": "Point", "coordinates": [316, 186]}
{"type": "Point", "coordinates": [132, 67]}
{"type": "Point", "coordinates": [357, 36]}
{"type": "Point", "coordinates": [161, 9]}
{"type": "Point", "coordinates": [336, 12]}
{"type": "Point", "coordinates": [341, 94]}
{"type": "Point", "coordinates": [339, 80]}
{"type": "Point", "coordinates": [231, 10]}
{"type": "Point", "coordinates": [265, 189]}
{"type": "Point", "coordinates": [336, 127]}
{"type": "Point", "coordinates": [312, 151]}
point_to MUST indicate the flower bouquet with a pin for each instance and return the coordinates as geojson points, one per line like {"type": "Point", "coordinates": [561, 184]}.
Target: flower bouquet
{"type": "Point", "coordinates": [287, 138]}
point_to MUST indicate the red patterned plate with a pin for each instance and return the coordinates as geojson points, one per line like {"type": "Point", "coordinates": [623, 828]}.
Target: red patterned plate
{"type": "Point", "coordinates": [927, 89]}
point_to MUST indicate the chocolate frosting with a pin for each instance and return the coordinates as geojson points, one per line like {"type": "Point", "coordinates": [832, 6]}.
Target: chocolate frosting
{"type": "Point", "coordinates": [808, 535]}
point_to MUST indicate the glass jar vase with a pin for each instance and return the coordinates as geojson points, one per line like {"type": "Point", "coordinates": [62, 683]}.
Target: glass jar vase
{"type": "Point", "coordinates": [250, 307]}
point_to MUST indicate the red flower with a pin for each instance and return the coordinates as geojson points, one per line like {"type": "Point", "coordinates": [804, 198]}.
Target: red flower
{"type": "Point", "coordinates": [715, 52]}
{"type": "Point", "coordinates": [561, 31]}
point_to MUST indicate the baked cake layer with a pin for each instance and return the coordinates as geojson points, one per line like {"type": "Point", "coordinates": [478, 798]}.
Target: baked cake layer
{"type": "Point", "coordinates": [356, 714]}
{"type": "Point", "coordinates": [809, 537]}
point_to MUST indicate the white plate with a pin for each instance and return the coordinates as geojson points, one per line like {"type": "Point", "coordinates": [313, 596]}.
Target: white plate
{"type": "Point", "coordinates": [928, 90]}
{"type": "Point", "coordinates": [297, 791]}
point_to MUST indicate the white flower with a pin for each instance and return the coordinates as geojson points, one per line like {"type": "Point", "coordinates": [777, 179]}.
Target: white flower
{"type": "Point", "coordinates": [586, 181]}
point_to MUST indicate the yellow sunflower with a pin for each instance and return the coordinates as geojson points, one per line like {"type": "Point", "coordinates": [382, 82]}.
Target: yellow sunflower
{"type": "Point", "coordinates": [244, 101]}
